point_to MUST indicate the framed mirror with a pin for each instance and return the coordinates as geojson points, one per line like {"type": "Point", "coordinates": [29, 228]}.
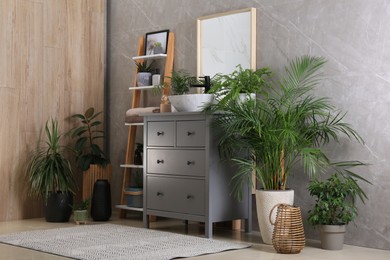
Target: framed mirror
{"type": "Point", "coordinates": [226, 40]}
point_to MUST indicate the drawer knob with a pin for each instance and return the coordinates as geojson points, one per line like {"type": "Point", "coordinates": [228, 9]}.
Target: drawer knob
{"type": "Point", "coordinates": [190, 162]}
{"type": "Point", "coordinates": [160, 161]}
{"type": "Point", "coordinates": [189, 196]}
{"type": "Point", "coordinates": [160, 193]}
{"type": "Point", "coordinates": [160, 133]}
{"type": "Point", "coordinates": [190, 133]}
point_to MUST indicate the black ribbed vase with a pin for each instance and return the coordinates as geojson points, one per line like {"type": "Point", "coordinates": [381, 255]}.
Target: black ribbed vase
{"type": "Point", "coordinates": [101, 201]}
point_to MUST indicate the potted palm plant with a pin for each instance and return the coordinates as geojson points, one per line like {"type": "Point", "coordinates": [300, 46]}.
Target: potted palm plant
{"type": "Point", "coordinates": [284, 126]}
{"type": "Point", "coordinates": [90, 158]}
{"type": "Point", "coordinates": [335, 205]}
{"type": "Point", "coordinates": [50, 176]}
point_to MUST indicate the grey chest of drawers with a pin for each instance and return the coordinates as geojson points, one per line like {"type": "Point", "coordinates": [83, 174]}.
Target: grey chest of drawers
{"type": "Point", "coordinates": [184, 177]}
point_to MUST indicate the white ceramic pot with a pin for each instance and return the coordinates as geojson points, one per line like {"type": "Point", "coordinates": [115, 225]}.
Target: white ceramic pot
{"type": "Point", "coordinates": [190, 102]}
{"type": "Point", "coordinates": [265, 201]}
{"type": "Point", "coordinates": [246, 97]}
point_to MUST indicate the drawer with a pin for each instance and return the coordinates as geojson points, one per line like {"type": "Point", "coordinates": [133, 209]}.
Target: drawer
{"type": "Point", "coordinates": [160, 133]}
{"type": "Point", "coordinates": [178, 195]}
{"type": "Point", "coordinates": [177, 162]}
{"type": "Point", "coordinates": [191, 133]}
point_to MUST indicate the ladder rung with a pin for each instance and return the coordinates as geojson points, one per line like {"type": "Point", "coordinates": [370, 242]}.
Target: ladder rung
{"type": "Point", "coordinates": [132, 166]}
{"type": "Point", "coordinates": [141, 87]}
{"type": "Point", "coordinates": [153, 56]}
{"type": "Point", "coordinates": [130, 124]}
{"type": "Point", "coordinates": [128, 208]}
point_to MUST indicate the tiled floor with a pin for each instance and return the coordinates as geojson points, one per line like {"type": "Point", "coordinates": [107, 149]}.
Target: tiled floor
{"type": "Point", "coordinates": [257, 251]}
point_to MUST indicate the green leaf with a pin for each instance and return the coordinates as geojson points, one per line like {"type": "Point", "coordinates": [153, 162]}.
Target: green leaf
{"type": "Point", "coordinates": [89, 112]}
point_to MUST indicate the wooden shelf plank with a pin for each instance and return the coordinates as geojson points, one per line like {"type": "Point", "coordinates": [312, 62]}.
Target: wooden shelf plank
{"type": "Point", "coordinates": [125, 207]}
{"type": "Point", "coordinates": [141, 88]}
{"type": "Point", "coordinates": [153, 56]}
{"type": "Point", "coordinates": [130, 124]}
{"type": "Point", "coordinates": [132, 166]}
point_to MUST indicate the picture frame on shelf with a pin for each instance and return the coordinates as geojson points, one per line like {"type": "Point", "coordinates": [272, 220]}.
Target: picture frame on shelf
{"type": "Point", "coordinates": [156, 42]}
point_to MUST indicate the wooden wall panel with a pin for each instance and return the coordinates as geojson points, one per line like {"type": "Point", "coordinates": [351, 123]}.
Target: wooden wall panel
{"type": "Point", "coordinates": [52, 60]}
{"type": "Point", "coordinates": [54, 23]}
{"type": "Point", "coordinates": [7, 13]}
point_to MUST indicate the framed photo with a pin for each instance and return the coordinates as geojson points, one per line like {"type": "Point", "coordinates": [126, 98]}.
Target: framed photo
{"type": "Point", "coordinates": [156, 42]}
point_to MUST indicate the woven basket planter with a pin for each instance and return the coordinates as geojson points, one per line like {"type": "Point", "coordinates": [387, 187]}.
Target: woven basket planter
{"type": "Point", "coordinates": [288, 236]}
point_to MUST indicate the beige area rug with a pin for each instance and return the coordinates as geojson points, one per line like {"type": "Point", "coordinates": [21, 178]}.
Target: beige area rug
{"type": "Point", "coordinates": [109, 241]}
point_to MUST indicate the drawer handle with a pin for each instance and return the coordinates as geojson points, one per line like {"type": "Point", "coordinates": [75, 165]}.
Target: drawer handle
{"type": "Point", "coordinates": [189, 196]}
{"type": "Point", "coordinates": [190, 162]}
{"type": "Point", "coordinates": [160, 161]}
{"type": "Point", "coordinates": [190, 133]}
{"type": "Point", "coordinates": [160, 193]}
{"type": "Point", "coordinates": [160, 133]}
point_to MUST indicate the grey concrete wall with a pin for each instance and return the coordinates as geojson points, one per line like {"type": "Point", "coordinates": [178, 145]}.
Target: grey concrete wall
{"type": "Point", "coordinates": [353, 35]}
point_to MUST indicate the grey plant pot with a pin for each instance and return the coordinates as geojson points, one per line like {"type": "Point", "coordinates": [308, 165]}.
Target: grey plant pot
{"type": "Point", "coordinates": [144, 79]}
{"type": "Point", "coordinates": [332, 236]}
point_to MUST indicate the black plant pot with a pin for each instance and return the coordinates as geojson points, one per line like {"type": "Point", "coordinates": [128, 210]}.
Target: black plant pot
{"type": "Point", "coordinates": [101, 201]}
{"type": "Point", "coordinates": [59, 207]}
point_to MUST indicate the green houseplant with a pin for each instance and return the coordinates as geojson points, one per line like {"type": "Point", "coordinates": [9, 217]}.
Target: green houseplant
{"type": "Point", "coordinates": [80, 211]}
{"type": "Point", "coordinates": [144, 73]}
{"type": "Point", "coordinates": [286, 125]}
{"type": "Point", "coordinates": [181, 81]}
{"type": "Point", "coordinates": [87, 150]}
{"type": "Point", "coordinates": [50, 176]}
{"type": "Point", "coordinates": [90, 158]}
{"type": "Point", "coordinates": [335, 205]}
{"type": "Point", "coordinates": [246, 82]}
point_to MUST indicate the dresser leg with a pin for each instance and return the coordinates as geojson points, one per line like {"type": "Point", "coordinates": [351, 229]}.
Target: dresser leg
{"type": "Point", "coordinates": [146, 220]}
{"type": "Point", "coordinates": [208, 228]}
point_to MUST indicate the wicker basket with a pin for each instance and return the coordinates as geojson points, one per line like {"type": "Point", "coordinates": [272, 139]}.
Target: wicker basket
{"type": "Point", "coordinates": [288, 236]}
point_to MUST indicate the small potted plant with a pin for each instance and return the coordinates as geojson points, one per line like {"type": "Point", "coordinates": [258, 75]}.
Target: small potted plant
{"type": "Point", "coordinates": [241, 84]}
{"type": "Point", "coordinates": [50, 176]}
{"type": "Point", "coordinates": [335, 205]}
{"type": "Point", "coordinates": [80, 212]}
{"type": "Point", "coordinates": [181, 81]}
{"type": "Point", "coordinates": [144, 73]}
{"type": "Point", "coordinates": [90, 158]}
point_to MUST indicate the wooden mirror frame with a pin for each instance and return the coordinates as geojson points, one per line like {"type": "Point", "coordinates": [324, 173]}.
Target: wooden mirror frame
{"type": "Point", "coordinates": [201, 22]}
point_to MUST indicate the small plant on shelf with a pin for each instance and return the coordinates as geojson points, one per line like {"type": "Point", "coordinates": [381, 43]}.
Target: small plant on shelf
{"type": "Point", "coordinates": [228, 88]}
{"type": "Point", "coordinates": [143, 66]}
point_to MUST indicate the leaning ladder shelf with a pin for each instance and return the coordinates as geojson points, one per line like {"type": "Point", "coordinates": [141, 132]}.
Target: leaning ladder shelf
{"type": "Point", "coordinates": [128, 166]}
